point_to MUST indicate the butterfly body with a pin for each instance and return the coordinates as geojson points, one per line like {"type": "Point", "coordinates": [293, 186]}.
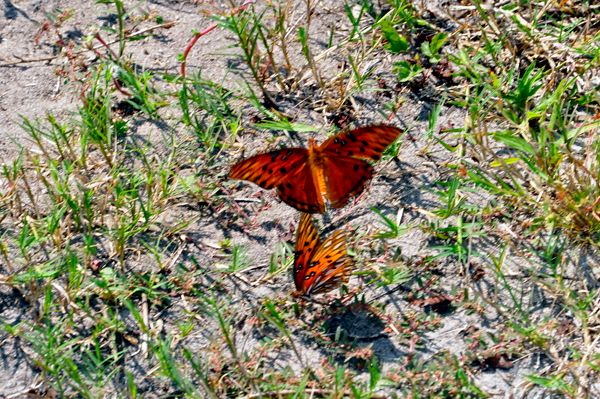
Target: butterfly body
{"type": "Point", "coordinates": [337, 169]}
{"type": "Point", "coordinates": [316, 163]}
{"type": "Point", "coordinates": [319, 266]}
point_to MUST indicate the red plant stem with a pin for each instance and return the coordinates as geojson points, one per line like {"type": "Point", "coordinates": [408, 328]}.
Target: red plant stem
{"type": "Point", "coordinates": [349, 297]}
{"type": "Point", "coordinates": [229, 194]}
{"type": "Point", "coordinates": [105, 45]}
{"type": "Point", "coordinates": [262, 208]}
{"type": "Point", "coordinates": [111, 51]}
{"type": "Point", "coordinates": [115, 82]}
{"type": "Point", "coordinates": [412, 343]}
{"type": "Point", "coordinates": [240, 210]}
{"type": "Point", "coordinates": [204, 32]}
{"type": "Point", "coordinates": [217, 212]}
{"type": "Point", "coordinates": [122, 90]}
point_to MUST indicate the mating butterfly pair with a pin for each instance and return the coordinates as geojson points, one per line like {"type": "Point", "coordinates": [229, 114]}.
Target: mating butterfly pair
{"type": "Point", "coordinates": [338, 169]}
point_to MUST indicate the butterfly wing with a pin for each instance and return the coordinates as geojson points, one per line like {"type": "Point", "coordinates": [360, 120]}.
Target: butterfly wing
{"type": "Point", "coordinates": [289, 171]}
{"type": "Point", "coordinates": [344, 155]}
{"type": "Point", "coordinates": [319, 267]}
{"type": "Point", "coordinates": [271, 169]}
{"type": "Point", "coordinates": [307, 241]}
{"type": "Point", "coordinates": [328, 267]}
{"type": "Point", "coordinates": [345, 177]}
{"type": "Point", "coordinates": [367, 142]}
{"type": "Point", "coordinates": [300, 190]}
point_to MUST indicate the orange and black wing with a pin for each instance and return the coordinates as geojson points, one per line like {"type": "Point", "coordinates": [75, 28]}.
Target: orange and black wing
{"type": "Point", "coordinates": [300, 190]}
{"type": "Point", "coordinates": [307, 242]}
{"type": "Point", "coordinates": [271, 169]}
{"type": "Point", "coordinates": [345, 177]}
{"type": "Point", "coordinates": [344, 158]}
{"type": "Point", "coordinates": [322, 267]}
{"type": "Point", "coordinates": [367, 142]}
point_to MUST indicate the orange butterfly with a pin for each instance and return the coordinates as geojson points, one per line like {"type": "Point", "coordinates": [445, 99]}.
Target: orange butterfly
{"type": "Point", "coordinates": [337, 168]}
{"type": "Point", "coordinates": [319, 266]}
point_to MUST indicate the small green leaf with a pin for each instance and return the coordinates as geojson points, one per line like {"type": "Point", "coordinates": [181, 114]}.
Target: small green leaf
{"type": "Point", "coordinates": [405, 71]}
{"type": "Point", "coordinates": [426, 50]}
{"type": "Point", "coordinates": [507, 161]}
{"type": "Point", "coordinates": [514, 142]}
{"type": "Point", "coordinates": [576, 132]}
{"type": "Point", "coordinates": [438, 41]}
{"type": "Point", "coordinates": [396, 43]}
{"type": "Point", "coordinates": [432, 49]}
{"type": "Point", "coordinates": [285, 125]}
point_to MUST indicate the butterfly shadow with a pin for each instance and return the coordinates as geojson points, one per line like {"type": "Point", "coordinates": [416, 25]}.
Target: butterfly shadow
{"type": "Point", "coordinates": [356, 323]}
{"type": "Point", "coordinates": [356, 329]}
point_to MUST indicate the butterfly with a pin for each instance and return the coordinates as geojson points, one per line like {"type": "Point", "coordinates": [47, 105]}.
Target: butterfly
{"type": "Point", "coordinates": [337, 168]}
{"type": "Point", "coordinates": [319, 266]}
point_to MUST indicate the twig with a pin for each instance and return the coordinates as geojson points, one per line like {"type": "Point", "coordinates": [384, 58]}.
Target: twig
{"type": "Point", "coordinates": [243, 199]}
{"type": "Point", "coordinates": [145, 319]}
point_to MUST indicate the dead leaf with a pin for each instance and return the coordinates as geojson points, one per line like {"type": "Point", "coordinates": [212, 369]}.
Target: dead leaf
{"type": "Point", "coordinates": [439, 303]}
{"type": "Point", "coordinates": [478, 272]}
{"type": "Point", "coordinates": [564, 326]}
{"type": "Point", "coordinates": [498, 362]}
